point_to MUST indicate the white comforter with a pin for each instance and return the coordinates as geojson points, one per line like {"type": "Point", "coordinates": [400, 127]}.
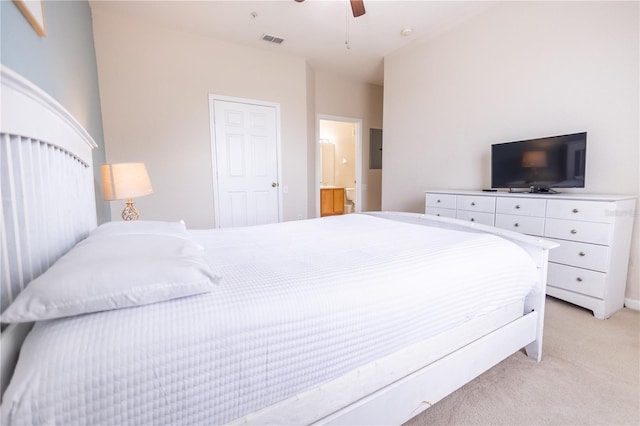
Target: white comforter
{"type": "Point", "coordinates": [300, 303]}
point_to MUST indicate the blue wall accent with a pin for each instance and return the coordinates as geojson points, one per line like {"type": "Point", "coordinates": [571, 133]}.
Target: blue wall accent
{"type": "Point", "coordinates": [63, 64]}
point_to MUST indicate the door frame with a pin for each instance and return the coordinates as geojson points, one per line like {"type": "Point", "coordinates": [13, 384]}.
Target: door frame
{"type": "Point", "coordinates": [214, 166]}
{"type": "Point", "coordinates": [358, 124]}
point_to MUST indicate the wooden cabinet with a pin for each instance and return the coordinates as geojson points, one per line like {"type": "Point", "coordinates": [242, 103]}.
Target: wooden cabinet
{"type": "Point", "coordinates": [589, 268]}
{"type": "Point", "coordinates": [331, 201]}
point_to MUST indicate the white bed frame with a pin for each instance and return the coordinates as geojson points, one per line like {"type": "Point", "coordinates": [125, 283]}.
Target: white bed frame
{"type": "Point", "coordinates": [47, 188]}
{"type": "Point", "coordinates": [60, 196]}
{"type": "Point", "coordinates": [449, 360]}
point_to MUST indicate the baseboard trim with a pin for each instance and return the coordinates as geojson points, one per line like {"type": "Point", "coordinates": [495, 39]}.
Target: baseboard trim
{"type": "Point", "coordinates": [632, 304]}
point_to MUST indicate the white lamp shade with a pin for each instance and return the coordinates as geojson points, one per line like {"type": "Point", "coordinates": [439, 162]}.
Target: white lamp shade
{"type": "Point", "coordinates": [122, 181]}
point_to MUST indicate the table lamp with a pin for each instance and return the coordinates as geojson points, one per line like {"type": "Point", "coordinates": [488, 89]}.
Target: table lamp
{"type": "Point", "coordinates": [124, 181]}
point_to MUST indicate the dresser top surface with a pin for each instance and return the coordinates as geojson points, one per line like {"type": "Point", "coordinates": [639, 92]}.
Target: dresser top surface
{"type": "Point", "coordinates": [557, 196]}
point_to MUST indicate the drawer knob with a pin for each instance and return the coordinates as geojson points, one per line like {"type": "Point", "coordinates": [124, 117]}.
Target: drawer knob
{"type": "Point", "coordinates": [517, 206]}
{"type": "Point", "coordinates": [516, 224]}
{"type": "Point", "coordinates": [473, 220]}
{"type": "Point", "coordinates": [473, 203]}
{"type": "Point", "coordinates": [582, 254]}
{"type": "Point", "coordinates": [579, 279]}
{"type": "Point", "coordinates": [573, 231]}
{"type": "Point", "coordinates": [438, 201]}
{"type": "Point", "coordinates": [438, 214]}
{"type": "Point", "coordinates": [574, 210]}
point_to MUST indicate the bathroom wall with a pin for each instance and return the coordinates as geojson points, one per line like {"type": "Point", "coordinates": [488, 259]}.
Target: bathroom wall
{"type": "Point", "coordinates": [327, 164]}
{"type": "Point", "coordinates": [342, 135]}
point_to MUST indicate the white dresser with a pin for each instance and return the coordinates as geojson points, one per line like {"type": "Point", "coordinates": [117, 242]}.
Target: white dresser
{"type": "Point", "coordinates": [589, 268]}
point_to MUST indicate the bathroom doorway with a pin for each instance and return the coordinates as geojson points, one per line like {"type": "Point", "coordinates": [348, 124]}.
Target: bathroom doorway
{"type": "Point", "coordinates": [339, 159]}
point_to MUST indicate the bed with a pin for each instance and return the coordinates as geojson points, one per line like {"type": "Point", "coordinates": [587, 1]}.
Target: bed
{"type": "Point", "coordinates": [355, 319]}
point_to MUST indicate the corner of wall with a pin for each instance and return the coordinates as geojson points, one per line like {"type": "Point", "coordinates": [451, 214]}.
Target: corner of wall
{"type": "Point", "coordinates": [311, 142]}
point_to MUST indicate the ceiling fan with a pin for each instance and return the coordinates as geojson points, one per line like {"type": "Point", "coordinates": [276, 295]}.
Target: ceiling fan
{"type": "Point", "coordinates": [357, 7]}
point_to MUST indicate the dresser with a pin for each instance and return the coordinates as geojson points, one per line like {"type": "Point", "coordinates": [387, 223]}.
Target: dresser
{"type": "Point", "coordinates": [589, 268]}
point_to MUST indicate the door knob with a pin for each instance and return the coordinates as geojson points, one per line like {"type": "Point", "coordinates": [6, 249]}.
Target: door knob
{"type": "Point", "coordinates": [273, 184]}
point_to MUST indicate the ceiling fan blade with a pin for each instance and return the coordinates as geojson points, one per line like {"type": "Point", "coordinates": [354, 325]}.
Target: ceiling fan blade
{"type": "Point", "coordinates": [357, 6]}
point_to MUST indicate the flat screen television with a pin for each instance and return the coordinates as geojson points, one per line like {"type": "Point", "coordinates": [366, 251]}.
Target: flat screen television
{"type": "Point", "coordinates": [540, 164]}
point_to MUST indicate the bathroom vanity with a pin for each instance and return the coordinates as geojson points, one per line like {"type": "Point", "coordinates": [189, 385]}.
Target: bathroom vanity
{"type": "Point", "coordinates": [331, 200]}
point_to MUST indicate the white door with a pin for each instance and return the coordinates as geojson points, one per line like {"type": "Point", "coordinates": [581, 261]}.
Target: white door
{"type": "Point", "coordinates": [246, 163]}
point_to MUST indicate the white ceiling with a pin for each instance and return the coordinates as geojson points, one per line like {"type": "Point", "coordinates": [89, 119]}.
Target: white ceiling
{"type": "Point", "coordinates": [314, 29]}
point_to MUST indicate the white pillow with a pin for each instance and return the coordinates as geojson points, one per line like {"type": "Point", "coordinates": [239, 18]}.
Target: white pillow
{"type": "Point", "coordinates": [111, 272]}
{"type": "Point", "coordinates": [143, 227]}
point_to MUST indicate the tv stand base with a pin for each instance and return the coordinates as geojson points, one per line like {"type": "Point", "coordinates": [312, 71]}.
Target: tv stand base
{"type": "Point", "coordinates": [534, 190]}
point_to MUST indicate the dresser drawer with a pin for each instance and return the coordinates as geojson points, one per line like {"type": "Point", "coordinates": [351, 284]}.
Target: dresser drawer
{"type": "Point", "coordinates": [589, 232]}
{"type": "Point", "coordinates": [477, 217]}
{"type": "Point", "coordinates": [582, 255]}
{"type": "Point", "coordinates": [578, 280]}
{"type": "Point", "coordinates": [524, 224]}
{"type": "Point", "coordinates": [476, 203]}
{"type": "Point", "coordinates": [592, 211]}
{"type": "Point", "coordinates": [521, 206]}
{"type": "Point", "coordinates": [445, 201]}
{"type": "Point", "coordinates": [441, 212]}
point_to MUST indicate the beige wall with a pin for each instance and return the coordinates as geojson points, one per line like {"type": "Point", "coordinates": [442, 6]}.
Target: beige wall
{"type": "Point", "coordinates": [154, 87]}
{"type": "Point", "coordinates": [341, 97]}
{"type": "Point", "coordinates": [312, 201]}
{"type": "Point", "coordinates": [518, 71]}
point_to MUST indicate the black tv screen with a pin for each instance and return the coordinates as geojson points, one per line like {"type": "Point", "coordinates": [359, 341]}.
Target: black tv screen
{"type": "Point", "coordinates": [540, 164]}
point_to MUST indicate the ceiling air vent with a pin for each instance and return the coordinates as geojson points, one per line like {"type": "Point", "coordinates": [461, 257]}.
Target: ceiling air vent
{"type": "Point", "coordinates": [272, 39]}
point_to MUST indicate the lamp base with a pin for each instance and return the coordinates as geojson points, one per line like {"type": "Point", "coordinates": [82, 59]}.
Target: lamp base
{"type": "Point", "coordinates": [130, 212]}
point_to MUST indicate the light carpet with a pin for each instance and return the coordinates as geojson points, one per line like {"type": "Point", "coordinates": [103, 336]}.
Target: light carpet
{"type": "Point", "coordinates": [589, 375]}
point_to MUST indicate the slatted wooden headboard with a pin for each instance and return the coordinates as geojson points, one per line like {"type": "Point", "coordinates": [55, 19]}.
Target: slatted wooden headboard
{"type": "Point", "coordinates": [46, 184]}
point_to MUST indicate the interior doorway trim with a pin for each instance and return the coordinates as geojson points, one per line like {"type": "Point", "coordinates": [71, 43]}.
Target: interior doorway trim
{"type": "Point", "coordinates": [358, 125]}
{"type": "Point", "coordinates": [214, 168]}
